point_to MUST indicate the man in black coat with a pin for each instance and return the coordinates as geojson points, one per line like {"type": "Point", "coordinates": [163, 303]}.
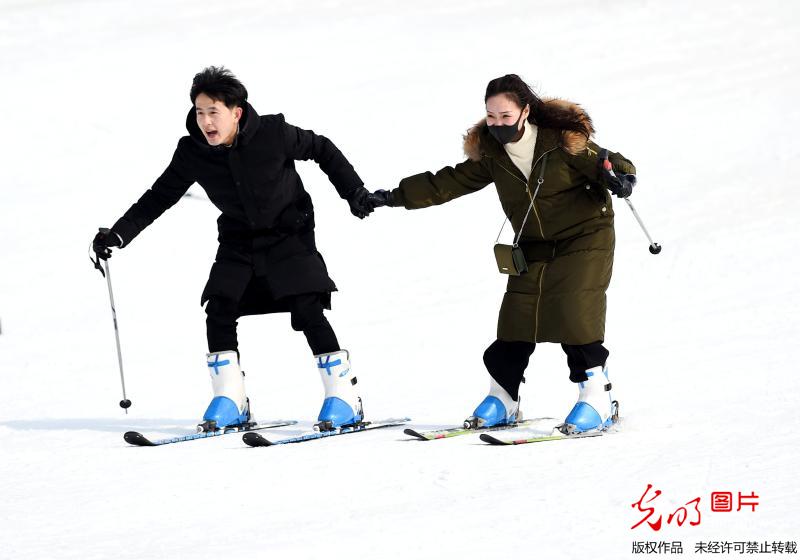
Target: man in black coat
{"type": "Point", "coordinates": [267, 261]}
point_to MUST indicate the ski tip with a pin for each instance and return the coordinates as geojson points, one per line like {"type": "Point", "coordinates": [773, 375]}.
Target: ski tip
{"type": "Point", "coordinates": [413, 433]}
{"type": "Point", "coordinates": [256, 440]}
{"type": "Point", "coordinates": [135, 438]}
{"type": "Point", "coordinates": [488, 438]}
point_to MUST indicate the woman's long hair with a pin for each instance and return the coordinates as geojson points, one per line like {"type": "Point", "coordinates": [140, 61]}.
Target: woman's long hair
{"type": "Point", "coordinates": [542, 114]}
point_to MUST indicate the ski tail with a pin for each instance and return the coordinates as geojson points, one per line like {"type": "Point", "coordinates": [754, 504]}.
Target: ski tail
{"type": "Point", "coordinates": [257, 440]}
{"type": "Point", "coordinates": [428, 435]}
{"type": "Point", "coordinates": [139, 440]}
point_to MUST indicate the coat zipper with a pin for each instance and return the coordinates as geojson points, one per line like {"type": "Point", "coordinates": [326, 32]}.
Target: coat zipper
{"type": "Point", "coordinates": [527, 190]}
{"type": "Point", "coordinates": [541, 230]}
{"type": "Point", "coordinates": [539, 298]}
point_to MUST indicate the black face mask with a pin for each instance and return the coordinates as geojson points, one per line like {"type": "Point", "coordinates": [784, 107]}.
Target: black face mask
{"type": "Point", "coordinates": [505, 133]}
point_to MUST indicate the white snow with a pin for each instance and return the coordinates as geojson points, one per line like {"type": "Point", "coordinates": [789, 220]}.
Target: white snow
{"type": "Point", "coordinates": [702, 96]}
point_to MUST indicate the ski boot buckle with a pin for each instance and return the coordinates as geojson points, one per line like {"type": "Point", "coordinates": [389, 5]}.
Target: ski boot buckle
{"type": "Point", "coordinates": [473, 423]}
{"type": "Point", "coordinates": [327, 426]}
{"type": "Point", "coordinates": [207, 426]}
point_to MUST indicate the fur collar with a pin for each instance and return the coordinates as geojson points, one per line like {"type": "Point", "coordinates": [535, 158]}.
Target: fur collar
{"type": "Point", "coordinates": [477, 140]}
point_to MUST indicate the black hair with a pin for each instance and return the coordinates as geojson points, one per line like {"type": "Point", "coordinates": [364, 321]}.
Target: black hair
{"type": "Point", "coordinates": [542, 114]}
{"type": "Point", "coordinates": [219, 84]}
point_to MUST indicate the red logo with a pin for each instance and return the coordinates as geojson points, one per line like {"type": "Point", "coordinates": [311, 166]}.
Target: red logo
{"type": "Point", "coordinates": [690, 511]}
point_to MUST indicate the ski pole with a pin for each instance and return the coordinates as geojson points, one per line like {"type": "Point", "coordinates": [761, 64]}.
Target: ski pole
{"type": "Point", "coordinates": [655, 248]}
{"type": "Point", "coordinates": [625, 183]}
{"type": "Point", "coordinates": [124, 403]}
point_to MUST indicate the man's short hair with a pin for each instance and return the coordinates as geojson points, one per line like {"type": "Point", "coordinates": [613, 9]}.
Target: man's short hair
{"type": "Point", "coordinates": [219, 84]}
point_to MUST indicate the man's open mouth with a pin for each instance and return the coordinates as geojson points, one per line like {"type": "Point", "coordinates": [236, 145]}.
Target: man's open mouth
{"type": "Point", "coordinates": [212, 133]}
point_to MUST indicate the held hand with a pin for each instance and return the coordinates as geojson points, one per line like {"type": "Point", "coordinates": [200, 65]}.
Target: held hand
{"type": "Point", "coordinates": [103, 241]}
{"type": "Point", "coordinates": [381, 198]}
{"type": "Point", "coordinates": [360, 205]}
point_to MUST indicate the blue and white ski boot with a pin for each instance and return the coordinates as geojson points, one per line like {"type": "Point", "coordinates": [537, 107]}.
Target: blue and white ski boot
{"type": "Point", "coordinates": [594, 410]}
{"type": "Point", "coordinates": [342, 405]}
{"type": "Point", "coordinates": [230, 405]}
{"type": "Point", "coordinates": [497, 409]}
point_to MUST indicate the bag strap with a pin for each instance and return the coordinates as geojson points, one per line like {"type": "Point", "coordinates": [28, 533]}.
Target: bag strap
{"type": "Point", "coordinates": [539, 182]}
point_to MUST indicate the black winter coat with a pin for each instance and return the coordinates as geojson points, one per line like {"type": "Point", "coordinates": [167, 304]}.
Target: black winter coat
{"type": "Point", "coordinates": [267, 217]}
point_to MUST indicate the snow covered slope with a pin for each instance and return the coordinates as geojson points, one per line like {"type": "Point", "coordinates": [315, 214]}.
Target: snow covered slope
{"type": "Point", "coordinates": [700, 95]}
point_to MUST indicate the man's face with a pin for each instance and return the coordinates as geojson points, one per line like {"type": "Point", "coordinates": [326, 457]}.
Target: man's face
{"type": "Point", "coordinates": [217, 122]}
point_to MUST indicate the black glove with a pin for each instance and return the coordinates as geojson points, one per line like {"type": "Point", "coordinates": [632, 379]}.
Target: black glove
{"type": "Point", "coordinates": [103, 241]}
{"type": "Point", "coordinates": [359, 202]}
{"type": "Point", "coordinates": [381, 198]}
{"type": "Point", "coordinates": [623, 187]}
{"type": "Point", "coordinates": [620, 184]}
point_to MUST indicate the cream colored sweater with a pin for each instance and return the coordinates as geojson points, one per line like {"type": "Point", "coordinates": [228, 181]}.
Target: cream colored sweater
{"type": "Point", "coordinates": [521, 151]}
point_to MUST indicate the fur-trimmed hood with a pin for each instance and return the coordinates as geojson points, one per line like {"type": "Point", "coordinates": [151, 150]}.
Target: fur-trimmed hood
{"type": "Point", "coordinates": [477, 140]}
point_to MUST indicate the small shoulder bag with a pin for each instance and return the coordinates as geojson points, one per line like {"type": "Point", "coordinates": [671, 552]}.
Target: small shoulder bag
{"type": "Point", "coordinates": [511, 258]}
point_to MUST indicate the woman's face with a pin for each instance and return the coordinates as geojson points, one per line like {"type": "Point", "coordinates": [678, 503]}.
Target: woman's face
{"type": "Point", "coordinates": [502, 110]}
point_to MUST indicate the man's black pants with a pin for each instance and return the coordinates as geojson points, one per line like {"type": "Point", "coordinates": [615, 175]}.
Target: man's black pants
{"type": "Point", "coordinates": [306, 310]}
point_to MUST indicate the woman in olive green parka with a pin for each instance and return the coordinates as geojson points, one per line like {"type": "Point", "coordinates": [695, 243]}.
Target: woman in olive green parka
{"type": "Point", "coordinates": [553, 190]}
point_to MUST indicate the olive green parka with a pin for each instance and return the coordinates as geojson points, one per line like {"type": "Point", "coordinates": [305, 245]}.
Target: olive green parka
{"type": "Point", "coordinates": [568, 238]}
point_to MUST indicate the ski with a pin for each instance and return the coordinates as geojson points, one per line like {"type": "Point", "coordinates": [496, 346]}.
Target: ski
{"type": "Point", "coordinates": [555, 434]}
{"type": "Point", "coordinates": [257, 440]}
{"type": "Point", "coordinates": [538, 437]}
{"type": "Point", "coordinates": [137, 439]}
{"type": "Point", "coordinates": [443, 433]}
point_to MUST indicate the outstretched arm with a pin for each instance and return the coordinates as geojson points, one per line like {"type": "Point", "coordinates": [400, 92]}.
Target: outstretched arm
{"type": "Point", "coordinates": [165, 192]}
{"type": "Point", "coordinates": [430, 189]}
{"type": "Point", "coordinates": [305, 144]}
